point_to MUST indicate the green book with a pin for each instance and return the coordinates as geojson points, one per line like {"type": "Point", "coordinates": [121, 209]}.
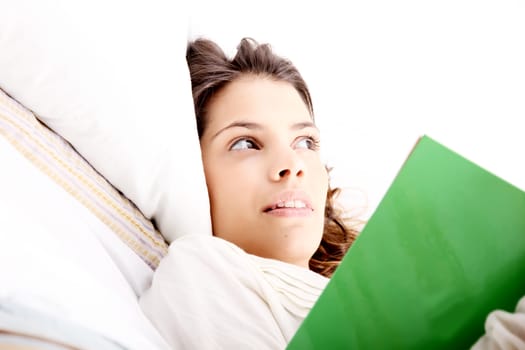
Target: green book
{"type": "Point", "coordinates": [444, 248]}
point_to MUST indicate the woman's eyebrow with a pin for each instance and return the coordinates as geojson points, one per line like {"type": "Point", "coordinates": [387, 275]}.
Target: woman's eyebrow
{"type": "Point", "coordinates": [239, 124]}
{"type": "Point", "coordinates": [257, 126]}
{"type": "Point", "coordinates": [303, 125]}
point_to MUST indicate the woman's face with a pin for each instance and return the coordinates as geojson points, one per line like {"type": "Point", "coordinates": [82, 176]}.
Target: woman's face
{"type": "Point", "coordinates": [266, 182]}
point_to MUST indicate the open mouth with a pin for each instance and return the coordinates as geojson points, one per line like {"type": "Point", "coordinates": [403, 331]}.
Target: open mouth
{"type": "Point", "coordinates": [288, 205]}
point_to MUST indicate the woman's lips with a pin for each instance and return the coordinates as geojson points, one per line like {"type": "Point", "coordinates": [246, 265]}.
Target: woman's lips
{"type": "Point", "coordinates": [290, 212]}
{"type": "Point", "coordinates": [291, 203]}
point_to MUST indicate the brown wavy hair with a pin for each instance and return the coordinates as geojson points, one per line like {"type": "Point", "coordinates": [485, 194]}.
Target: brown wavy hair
{"type": "Point", "coordinates": [211, 70]}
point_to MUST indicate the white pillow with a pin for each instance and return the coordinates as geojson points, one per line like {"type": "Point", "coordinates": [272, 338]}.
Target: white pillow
{"type": "Point", "coordinates": [112, 79]}
{"type": "Point", "coordinates": [129, 238]}
{"type": "Point", "coordinates": [53, 261]}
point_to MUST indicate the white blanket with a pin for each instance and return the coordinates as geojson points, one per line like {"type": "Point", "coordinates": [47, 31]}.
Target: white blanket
{"type": "Point", "coordinates": [209, 294]}
{"type": "Point", "coordinates": [52, 261]}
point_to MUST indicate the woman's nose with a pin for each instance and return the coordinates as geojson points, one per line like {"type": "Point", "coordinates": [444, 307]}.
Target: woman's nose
{"type": "Point", "coordinates": [286, 165]}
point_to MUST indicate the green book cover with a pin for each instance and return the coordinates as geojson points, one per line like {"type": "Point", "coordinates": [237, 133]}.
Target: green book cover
{"type": "Point", "coordinates": [444, 248]}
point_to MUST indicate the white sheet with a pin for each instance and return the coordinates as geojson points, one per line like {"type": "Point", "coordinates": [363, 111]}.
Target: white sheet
{"type": "Point", "coordinates": [209, 294]}
{"type": "Point", "coordinates": [51, 258]}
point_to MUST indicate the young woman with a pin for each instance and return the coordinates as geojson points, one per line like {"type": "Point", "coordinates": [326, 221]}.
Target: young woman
{"type": "Point", "coordinates": [276, 236]}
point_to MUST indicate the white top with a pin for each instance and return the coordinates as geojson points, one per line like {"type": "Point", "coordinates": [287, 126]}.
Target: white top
{"type": "Point", "coordinates": [504, 330]}
{"type": "Point", "coordinates": [209, 294]}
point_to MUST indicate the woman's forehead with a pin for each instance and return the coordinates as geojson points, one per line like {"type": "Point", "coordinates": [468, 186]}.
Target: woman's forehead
{"type": "Point", "coordinates": [259, 100]}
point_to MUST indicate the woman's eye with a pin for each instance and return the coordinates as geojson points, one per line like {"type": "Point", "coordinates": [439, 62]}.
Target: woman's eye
{"type": "Point", "coordinates": [308, 143]}
{"type": "Point", "coordinates": [243, 144]}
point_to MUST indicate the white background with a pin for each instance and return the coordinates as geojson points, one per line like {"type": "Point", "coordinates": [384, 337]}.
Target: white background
{"type": "Point", "coordinates": [382, 73]}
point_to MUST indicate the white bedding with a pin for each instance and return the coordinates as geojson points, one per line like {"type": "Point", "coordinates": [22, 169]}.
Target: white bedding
{"type": "Point", "coordinates": [229, 299]}
{"type": "Point", "coordinates": [52, 258]}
